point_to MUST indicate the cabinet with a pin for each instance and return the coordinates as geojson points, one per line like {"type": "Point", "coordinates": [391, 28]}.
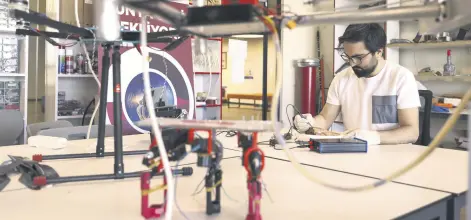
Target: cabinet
{"type": "Point", "coordinates": [208, 80]}
{"type": "Point", "coordinates": [69, 94]}
{"type": "Point", "coordinates": [13, 66]}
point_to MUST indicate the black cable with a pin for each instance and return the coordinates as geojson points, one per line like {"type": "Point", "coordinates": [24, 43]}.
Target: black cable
{"type": "Point", "coordinates": [298, 113]}
{"type": "Point", "coordinates": [86, 111]}
{"type": "Point", "coordinates": [229, 133]}
{"type": "Point", "coordinates": [50, 40]}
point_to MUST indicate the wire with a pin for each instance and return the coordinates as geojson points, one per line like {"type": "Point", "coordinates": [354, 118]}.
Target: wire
{"type": "Point", "coordinates": [90, 67]}
{"type": "Point", "coordinates": [274, 112]}
{"type": "Point", "coordinates": [86, 111]}
{"type": "Point", "coordinates": [176, 179]}
{"type": "Point", "coordinates": [154, 122]}
{"type": "Point", "coordinates": [208, 59]}
{"type": "Point", "coordinates": [176, 203]}
{"type": "Point", "coordinates": [230, 133]}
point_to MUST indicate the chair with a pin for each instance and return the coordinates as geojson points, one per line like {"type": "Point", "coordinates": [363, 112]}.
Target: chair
{"type": "Point", "coordinates": [77, 133]}
{"type": "Point", "coordinates": [34, 129]}
{"type": "Point", "coordinates": [424, 117]}
{"type": "Point", "coordinates": [11, 127]}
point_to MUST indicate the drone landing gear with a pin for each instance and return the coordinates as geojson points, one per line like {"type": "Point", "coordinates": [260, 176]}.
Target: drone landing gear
{"type": "Point", "coordinates": [213, 181]}
{"type": "Point", "coordinates": [253, 160]}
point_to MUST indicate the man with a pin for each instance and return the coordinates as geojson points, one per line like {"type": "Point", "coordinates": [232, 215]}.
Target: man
{"type": "Point", "coordinates": [378, 100]}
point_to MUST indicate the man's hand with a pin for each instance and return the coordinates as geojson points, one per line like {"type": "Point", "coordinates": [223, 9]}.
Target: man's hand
{"type": "Point", "coordinates": [303, 123]}
{"type": "Point", "coordinates": [371, 137]}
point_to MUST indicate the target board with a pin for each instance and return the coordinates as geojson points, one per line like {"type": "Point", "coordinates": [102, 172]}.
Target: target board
{"type": "Point", "coordinates": [172, 70]}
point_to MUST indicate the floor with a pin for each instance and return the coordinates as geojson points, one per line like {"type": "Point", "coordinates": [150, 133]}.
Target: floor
{"type": "Point", "coordinates": [244, 112]}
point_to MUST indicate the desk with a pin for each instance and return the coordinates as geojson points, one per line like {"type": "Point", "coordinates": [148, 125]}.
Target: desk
{"type": "Point", "coordinates": [444, 170]}
{"type": "Point", "coordinates": [91, 165]}
{"type": "Point", "coordinates": [293, 198]}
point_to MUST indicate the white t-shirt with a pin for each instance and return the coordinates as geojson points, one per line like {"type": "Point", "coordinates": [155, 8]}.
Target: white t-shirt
{"type": "Point", "coordinates": [372, 103]}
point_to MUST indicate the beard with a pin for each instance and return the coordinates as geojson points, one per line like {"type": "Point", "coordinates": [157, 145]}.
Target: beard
{"type": "Point", "coordinates": [364, 72]}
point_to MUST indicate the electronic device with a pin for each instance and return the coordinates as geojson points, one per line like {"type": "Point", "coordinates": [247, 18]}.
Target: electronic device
{"type": "Point", "coordinates": [338, 145]}
{"type": "Point", "coordinates": [161, 108]}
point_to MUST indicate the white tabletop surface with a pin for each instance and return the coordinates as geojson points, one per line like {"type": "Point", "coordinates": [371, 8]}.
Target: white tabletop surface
{"type": "Point", "coordinates": [98, 165]}
{"type": "Point", "coordinates": [293, 196]}
{"type": "Point", "coordinates": [444, 169]}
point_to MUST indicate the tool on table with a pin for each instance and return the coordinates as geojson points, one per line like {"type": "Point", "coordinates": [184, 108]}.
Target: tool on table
{"type": "Point", "coordinates": [30, 171]}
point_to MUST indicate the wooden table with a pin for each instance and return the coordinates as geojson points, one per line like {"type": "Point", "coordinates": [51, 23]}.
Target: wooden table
{"type": "Point", "coordinates": [293, 197]}
{"type": "Point", "coordinates": [444, 170]}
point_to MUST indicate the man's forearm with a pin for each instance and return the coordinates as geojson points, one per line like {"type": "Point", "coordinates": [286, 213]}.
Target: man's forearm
{"type": "Point", "coordinates": [320, 122]}
{"type": "Point", "coordinates": [401, 135]}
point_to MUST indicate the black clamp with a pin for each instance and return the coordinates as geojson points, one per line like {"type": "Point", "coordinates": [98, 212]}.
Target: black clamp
{"type": "Point", "coordinates": [213, 181]}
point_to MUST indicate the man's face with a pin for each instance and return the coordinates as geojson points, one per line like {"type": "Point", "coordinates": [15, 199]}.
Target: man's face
{"type": "Point", "coordinates": [363, 62]}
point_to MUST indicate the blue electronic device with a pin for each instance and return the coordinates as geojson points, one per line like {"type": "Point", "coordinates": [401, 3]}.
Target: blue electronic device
{"type": "Point", "coordinates": [338, 145]}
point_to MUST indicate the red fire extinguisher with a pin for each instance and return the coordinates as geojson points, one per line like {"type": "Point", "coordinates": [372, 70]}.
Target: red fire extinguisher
{"type": "Point", "coordinates": [308, 89]}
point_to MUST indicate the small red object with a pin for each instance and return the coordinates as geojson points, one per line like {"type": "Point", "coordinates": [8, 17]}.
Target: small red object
{"type": "Point", "coordinates": [448, 52]}
{"type": "Point", "coordinates": [117, 89]}
{"type": "Point", "coordinates": [39, 181]}
{"type": "Point", "coordinates": [38, 157]}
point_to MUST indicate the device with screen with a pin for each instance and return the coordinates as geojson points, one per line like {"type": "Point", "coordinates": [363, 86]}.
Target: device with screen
{"type": "Point", "coordinates": [338, 145]}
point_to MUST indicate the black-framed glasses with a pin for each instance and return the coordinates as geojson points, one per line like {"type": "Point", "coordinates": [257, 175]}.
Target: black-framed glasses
{"type": "Point", "coordinates": [353, 60]}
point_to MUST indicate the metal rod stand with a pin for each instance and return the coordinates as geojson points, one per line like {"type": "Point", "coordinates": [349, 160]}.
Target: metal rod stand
{"type": "Point", "coordinates": [118, 139]}
{"type": "Point", "coordinates": [42, 180]}
{"type": "Point", "coordinates": [118, 127]}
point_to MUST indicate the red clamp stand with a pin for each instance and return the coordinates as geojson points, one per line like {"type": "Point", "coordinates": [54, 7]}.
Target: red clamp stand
{"type": "Point", "coordinates": [158, 210]}
{"type": "Point", "coordinates": [254, 170]}
{"type": "Point", "coordinates": [152, 211]}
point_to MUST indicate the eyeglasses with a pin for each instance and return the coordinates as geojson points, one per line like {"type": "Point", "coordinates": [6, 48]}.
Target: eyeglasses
{"type": "Point", "coordinates": [353, 60]}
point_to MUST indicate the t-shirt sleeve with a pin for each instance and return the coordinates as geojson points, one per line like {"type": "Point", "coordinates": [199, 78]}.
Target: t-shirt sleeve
{"type": "Point", "coordinates": [333, 94]}
{"type": "Point", "coordinates": [407, 91]}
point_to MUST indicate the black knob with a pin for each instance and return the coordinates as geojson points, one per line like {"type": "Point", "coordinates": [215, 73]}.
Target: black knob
{"type": "Point", "coordinates": [187, 171]}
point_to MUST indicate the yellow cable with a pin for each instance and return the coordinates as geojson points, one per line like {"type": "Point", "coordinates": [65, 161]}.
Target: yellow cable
{"type": "Point", "coordinates": [218, 183]}
{"type": "Point", "coordinates": [433, 145]}
{"type": "Point", "coordinates": [154, 189]}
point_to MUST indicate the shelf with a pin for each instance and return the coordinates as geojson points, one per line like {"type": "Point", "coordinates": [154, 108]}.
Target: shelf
{"type": "Point", "coordinates": [73, 117]}
{"type": "Point", "coordinates": [461, 78]}
{"type": "Point", "coordinates": [12, 75]}
{"type": "Point", "coordinates": [208, 106]}
{"type": "Point", "coordinates": [434, 45]}
{"type": "Point", "coordinates": [75, 75]}
{"type": "Point", "coordinates": [206, 73]}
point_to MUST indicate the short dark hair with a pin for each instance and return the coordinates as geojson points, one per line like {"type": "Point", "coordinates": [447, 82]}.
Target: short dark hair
{"type": "Point", "coordinates": [371, 34]}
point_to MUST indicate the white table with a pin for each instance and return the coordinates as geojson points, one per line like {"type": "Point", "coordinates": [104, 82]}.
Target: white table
{"type": "Point", "coordinates": [96, 165]}
{"type": "Point", "coordinates": [294, 197]}
{"type": "Point", "coordinates": [444, 170]}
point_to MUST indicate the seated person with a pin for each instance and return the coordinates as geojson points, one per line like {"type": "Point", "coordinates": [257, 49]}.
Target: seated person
{"type": "Point", "coordinates": [378, 99]}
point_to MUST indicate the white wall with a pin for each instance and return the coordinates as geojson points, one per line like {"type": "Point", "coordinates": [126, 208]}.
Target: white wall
{"type": "Point", "coordinates": [300, 43]}
{"type": "Point", "coordinates": [253, 63]}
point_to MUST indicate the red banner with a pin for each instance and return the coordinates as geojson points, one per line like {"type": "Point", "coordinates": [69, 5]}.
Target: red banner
{"type": "Point", "coordinates": [172, 71]}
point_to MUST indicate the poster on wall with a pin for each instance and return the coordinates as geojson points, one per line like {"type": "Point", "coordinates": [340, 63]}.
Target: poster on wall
{"type": "Point", "coordinates": [171, 73]}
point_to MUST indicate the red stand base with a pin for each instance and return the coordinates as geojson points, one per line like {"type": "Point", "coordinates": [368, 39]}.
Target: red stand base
{"type": "Point", "coordinates": [253, 217]}
{"type": "Point", "coordinates": [154, 211]}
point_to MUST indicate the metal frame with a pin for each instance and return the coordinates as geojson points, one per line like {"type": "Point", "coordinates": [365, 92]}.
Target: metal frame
{"type": "Point", "coordinates": [452, 13]}
{"type": "Point", "coordinates": [118, 153]}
